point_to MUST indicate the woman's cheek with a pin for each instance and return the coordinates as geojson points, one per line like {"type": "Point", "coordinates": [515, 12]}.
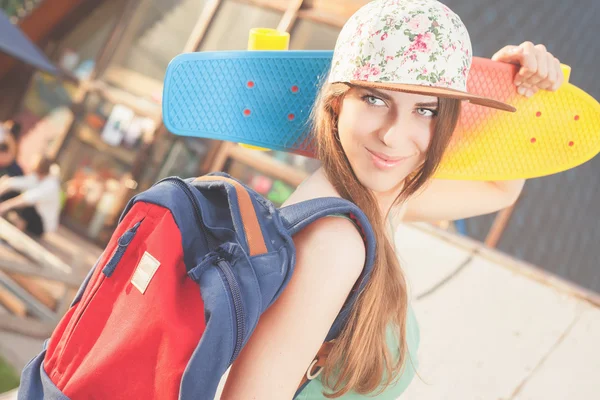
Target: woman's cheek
{"type": "Point", "coordinates": [422, 142]}
{"type": "Point", "coordinates": [353, 134]}
{"type": "Point", "coordinates": [419, 161]}
{"type": "Point", "coordinates": [346, 139]}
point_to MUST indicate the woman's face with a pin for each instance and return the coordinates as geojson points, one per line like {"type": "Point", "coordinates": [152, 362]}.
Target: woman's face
{"type": "Point", "coordinates": [385, 134]}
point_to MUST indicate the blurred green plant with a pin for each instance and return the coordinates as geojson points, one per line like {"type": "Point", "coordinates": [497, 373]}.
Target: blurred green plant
{"type": "Point", "coordinates": [8, 377]}
{"type": "Point", "coordinates": [18, 9]}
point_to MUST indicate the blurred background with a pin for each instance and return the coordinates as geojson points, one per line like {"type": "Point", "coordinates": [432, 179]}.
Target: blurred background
{"type": "Point", "coordinates": [88, 93]}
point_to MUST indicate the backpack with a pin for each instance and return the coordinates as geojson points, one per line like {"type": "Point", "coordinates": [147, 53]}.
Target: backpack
{"type": "Point", "coordinates": [178, 291]}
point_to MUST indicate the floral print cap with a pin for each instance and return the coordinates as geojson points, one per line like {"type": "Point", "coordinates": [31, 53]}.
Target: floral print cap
{"type": "Point", "coordinates": [419, 46]}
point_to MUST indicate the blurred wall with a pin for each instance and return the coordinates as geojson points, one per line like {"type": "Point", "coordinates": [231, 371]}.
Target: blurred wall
{"type": "Point", "coordinates": [556, 224]}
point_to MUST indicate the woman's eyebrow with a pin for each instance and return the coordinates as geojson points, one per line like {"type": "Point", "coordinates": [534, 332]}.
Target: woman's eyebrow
{"type": "Point", "coordinates": [389, 98]}
{"type": "Point", "coordinates": [379, 93]}
{"type": "Point", "coordinates": [430, 104]}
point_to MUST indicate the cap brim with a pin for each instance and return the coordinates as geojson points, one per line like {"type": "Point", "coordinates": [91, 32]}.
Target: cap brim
{"type": "Point", "coordinates": [438, 92]}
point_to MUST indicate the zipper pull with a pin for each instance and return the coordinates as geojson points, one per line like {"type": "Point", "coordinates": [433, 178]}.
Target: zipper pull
{"type": "Point", "coordinates": [209, 260]}
{"type": "Point", "coordinates": [123, 242]}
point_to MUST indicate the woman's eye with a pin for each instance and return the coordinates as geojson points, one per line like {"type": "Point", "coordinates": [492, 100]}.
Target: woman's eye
{"type": "Point", "coordinates": [426, 112]}
{"type": "Point", "coordinates": [373, 101]}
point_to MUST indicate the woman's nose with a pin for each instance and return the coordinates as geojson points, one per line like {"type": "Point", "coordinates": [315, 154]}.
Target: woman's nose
{"type": "Point", "coordinates": [390, 137]}
{"type": "Point", "coordinates": [398, 133]}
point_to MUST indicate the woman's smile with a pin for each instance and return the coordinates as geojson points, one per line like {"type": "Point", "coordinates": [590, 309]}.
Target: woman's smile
{"type": "Point", "coordinates": [384, 161]}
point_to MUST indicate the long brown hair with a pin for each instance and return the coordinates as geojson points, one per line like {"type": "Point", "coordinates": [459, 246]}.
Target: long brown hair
{"type": "Point", "coordinates": [360, 359]}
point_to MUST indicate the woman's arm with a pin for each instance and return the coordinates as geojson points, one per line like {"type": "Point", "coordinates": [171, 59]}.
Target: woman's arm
{"type": "Point", "coordinates": [18, 183]}
{"type": "Point", "coordinates": [447, 200]}
{"type": "Point", "coordinates": [329, 259]}
{"type": "Point", "coordinates": [33, 191]}
{"type": "Point", "coordinates": [16, 202]}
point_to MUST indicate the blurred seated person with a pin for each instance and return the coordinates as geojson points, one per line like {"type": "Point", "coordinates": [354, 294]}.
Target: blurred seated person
{"type": "Point", "coordinates": [35, 208]}
{"type": "Point", "coordinates": [9, 149]}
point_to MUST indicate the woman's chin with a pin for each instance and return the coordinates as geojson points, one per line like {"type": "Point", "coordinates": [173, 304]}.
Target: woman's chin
{"type": "Point", "coordinates": [382, 184]}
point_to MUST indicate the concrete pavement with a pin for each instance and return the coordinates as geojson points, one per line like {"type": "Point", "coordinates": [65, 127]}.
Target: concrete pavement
{"type": "Point", "coordinates": [495, 328]}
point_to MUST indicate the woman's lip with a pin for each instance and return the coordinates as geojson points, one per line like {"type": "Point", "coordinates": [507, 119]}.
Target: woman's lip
{"type": "Point", "coordinates": [382, 161]}
{"type": "Point", "coordinates": [387, 158]}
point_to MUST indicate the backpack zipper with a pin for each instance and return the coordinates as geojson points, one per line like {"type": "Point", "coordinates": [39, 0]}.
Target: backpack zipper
{"type": "Point", "coordinates": [236, 294]}
{"type": "Point", "coordinates": [223, 266]}
{"type": "Point", "coordinates": [122, 245]}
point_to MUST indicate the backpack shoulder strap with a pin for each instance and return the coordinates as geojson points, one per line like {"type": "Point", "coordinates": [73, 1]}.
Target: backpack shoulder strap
{"type": "Point", "coordinates": [297, 216]}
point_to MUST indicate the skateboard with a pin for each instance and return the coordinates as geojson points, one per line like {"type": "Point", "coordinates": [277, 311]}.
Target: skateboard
{"type": "Point", "coordinates": [265, 98]}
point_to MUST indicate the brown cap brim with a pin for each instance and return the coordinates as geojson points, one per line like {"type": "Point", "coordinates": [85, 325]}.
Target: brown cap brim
{"type": "Point", "coordinates": [438, 92]}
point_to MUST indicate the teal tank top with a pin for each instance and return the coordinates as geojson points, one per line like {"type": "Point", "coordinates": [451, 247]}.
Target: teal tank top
{"type": "Point", "coordinates": [314, 390]}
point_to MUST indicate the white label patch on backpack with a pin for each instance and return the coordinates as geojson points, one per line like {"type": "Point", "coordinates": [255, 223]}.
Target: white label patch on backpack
{"type": "Point", "coordinates": [144, 272]}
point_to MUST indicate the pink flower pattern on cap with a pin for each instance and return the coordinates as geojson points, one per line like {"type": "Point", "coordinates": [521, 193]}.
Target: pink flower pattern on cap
{"type": "Point", "coordinates": [416, 42]}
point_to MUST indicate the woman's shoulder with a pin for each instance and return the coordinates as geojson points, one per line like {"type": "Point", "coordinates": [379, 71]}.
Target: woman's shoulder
{"type": "Point", "coordinates": [334, 246]}
{"type": "Point", "coordinates": [336, 240]}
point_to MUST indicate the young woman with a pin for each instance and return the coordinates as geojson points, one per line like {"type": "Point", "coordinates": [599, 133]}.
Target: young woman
{"type": "Point", "coordinates": [32, 202]}
{"type": "Point", "coordinates": [382, 123]}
